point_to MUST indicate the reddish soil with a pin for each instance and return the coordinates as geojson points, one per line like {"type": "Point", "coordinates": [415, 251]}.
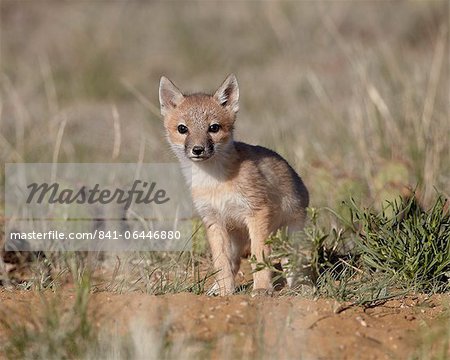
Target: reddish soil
{"type": "Point", "coordinates": [276, 327]}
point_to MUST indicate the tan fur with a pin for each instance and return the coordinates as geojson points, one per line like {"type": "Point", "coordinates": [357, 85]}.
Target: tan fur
{"type": "Point", "coordinates": [243, 193]}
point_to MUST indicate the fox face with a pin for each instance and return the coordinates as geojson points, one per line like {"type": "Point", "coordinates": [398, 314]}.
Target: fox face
{"type": "Point", "coordinates": [199, 126]}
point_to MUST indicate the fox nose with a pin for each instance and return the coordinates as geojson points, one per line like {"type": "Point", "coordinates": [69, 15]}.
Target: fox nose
{"type": "Point", "coordinates": [198, 150]}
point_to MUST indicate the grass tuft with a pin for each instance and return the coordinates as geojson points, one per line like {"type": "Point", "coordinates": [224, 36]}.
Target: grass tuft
{"type": "Point", "coordinates": [406, 242]}
{"type": "Point", "coordinates": [369, 256]}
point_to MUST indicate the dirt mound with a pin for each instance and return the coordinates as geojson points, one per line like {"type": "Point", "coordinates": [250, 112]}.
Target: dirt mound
{"type": "Point", "coordinates": [264, 327]}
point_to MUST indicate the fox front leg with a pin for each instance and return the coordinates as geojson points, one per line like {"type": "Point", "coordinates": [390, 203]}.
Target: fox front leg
{"type": "Point", "coordinates": [221, 250]}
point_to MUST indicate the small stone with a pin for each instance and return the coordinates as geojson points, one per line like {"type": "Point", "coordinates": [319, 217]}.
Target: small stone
{"type": "Point", "coordinates": [361, 321]}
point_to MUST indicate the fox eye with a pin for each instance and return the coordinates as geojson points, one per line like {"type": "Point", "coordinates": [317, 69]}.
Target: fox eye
{"type": "Point", "coordinates": [214, 128]}
{"type": "Point", "coordinates": [182, 129]}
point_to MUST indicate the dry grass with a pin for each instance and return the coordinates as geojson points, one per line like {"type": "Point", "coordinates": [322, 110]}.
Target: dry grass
{"type": "Point", "coordinates": [358, 103]}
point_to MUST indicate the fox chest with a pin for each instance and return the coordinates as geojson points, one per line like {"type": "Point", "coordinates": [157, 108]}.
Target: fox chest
{"type": "Point", "coordinates": [221, 202]}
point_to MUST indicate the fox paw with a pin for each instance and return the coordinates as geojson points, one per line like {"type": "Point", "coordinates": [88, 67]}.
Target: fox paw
{"type": "Point", "coordinates": [213, 290]}
{"type": "Point", "coordinates": [261, 292]}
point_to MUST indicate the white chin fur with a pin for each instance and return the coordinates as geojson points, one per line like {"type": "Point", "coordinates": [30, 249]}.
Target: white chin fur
{"type": "Point", "coordinates": [199, 159]}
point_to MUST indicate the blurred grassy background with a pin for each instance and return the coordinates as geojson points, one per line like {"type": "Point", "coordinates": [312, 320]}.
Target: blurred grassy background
{"type": "Point", "coordinates": [354, 94]}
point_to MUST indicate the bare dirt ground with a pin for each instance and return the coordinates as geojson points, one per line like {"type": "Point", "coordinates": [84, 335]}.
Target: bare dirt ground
{"type": "Point", "coordinates": [269, 327]}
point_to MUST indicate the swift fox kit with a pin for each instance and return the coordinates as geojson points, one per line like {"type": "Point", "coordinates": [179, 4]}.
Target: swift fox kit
{"type": "Point", "coordinates": [243, 193]}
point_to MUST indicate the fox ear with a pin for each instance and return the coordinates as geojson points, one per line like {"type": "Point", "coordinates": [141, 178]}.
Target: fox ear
{"type": "Point", "coordinates": [169, 95]}
{"type": "Point", "coordinates": [228, 94]}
